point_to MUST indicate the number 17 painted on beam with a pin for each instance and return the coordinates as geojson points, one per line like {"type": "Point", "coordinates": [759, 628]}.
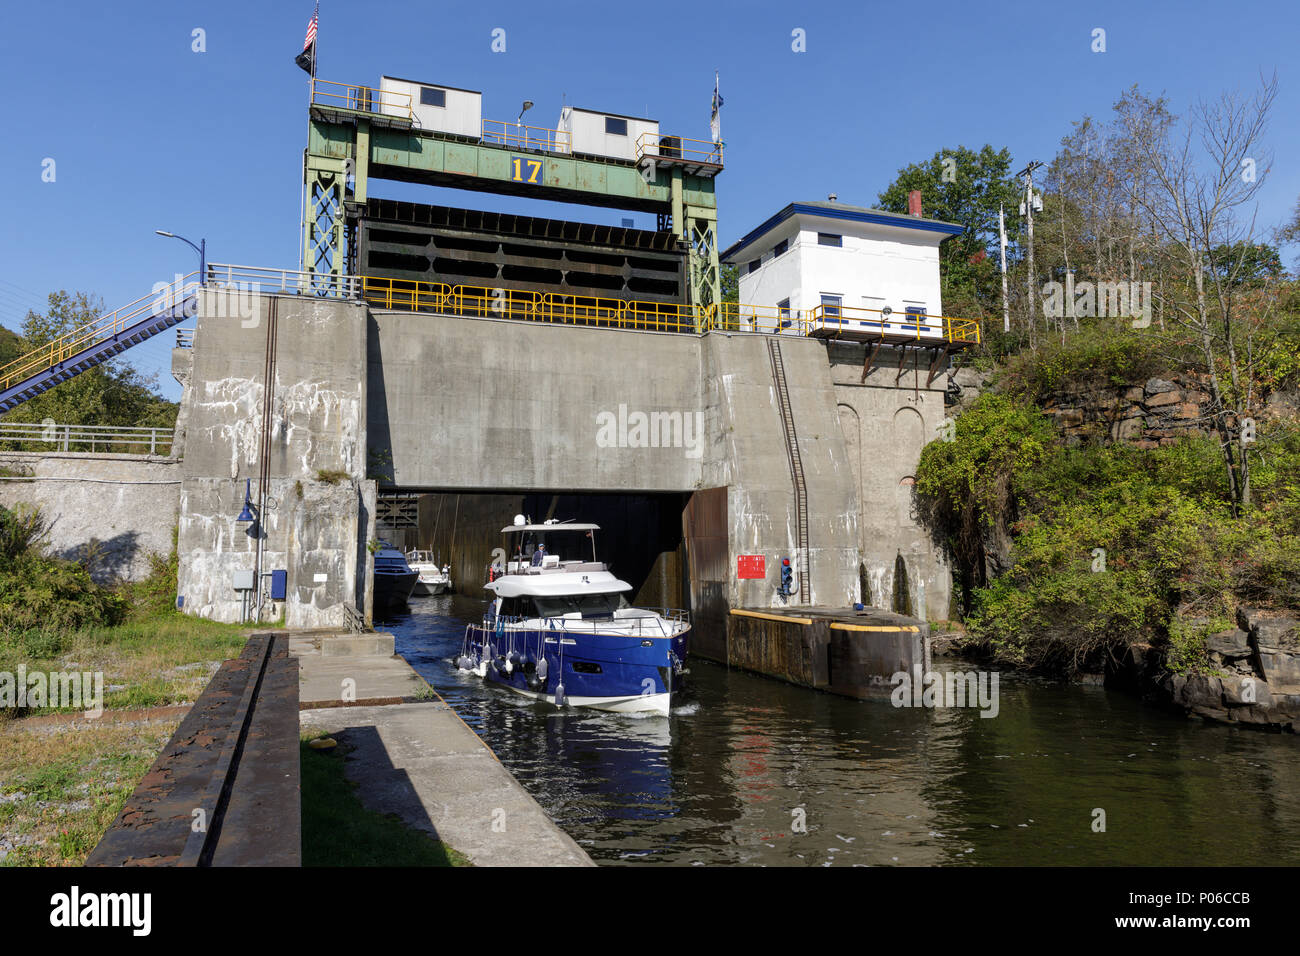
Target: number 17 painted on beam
{"type": "Point", "coordinates": [525, 169]}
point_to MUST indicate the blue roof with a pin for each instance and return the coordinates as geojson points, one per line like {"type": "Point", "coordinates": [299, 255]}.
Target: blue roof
{"type": "Point", "coordinates": [829, 210]}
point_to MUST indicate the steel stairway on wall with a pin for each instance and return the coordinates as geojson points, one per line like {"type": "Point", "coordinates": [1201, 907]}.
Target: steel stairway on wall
{"type": "Point", "coordinates": [796, 468]}
{"type": "Point", "coordinates": [101, 340]}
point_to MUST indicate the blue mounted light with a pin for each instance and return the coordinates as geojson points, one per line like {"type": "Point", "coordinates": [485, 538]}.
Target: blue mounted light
{"type": "Point", "coordinates": [247, 514]}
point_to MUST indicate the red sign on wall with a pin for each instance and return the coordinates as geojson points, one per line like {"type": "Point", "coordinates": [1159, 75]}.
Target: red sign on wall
{"type": "Point", "coordinates": [751, 566]}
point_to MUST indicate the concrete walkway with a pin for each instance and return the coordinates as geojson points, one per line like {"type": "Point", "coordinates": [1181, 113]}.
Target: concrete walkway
{"type": "Point", "coordinates": [418, 760]}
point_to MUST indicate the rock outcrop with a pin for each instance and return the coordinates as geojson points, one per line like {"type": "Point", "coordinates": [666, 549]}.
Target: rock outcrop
{"type": "Point", "coordinates": [1253, 677]}
{"type": "Point", "coordinates": [1159, 412]}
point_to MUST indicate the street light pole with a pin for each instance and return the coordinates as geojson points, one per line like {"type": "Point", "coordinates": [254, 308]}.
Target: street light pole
{"type": "Point", "coordinates": [201, 249]}
{"type": "Point", "coordinates": [1028, 173]}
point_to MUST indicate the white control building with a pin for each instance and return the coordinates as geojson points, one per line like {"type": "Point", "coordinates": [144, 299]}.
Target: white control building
{"type": "Point", "coordinates": [830, 268]}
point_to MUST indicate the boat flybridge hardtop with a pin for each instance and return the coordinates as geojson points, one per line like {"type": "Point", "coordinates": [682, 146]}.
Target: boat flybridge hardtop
{"type": "Point", "coordinates": [560, 629]}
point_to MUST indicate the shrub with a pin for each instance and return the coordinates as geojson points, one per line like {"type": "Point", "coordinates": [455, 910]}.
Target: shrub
{"type": "Point", "coordinates": [1101, 349]}
{"type": "Point", "coordinates": [42, 598]}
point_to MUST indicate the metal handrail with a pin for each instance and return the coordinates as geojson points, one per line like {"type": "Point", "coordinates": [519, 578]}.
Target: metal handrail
{"type": "Point", "coordinates": [496, 302]}
{"type": "Point", "coordinates": [65, 436]}
{"type": "Point", "coordinates": [284, 281]}
{"type": "Point", "coordinates": [362, 99]}
{"type": "Point", "coordinates": [907, 323]}
{"type": "Point", "coordinates": [681, 148]}
{"type": "Point", "coordinates": [673, 616]}
{"type": "Point", "coordinates": [738, 317]}
{"type": "Point", "coordinates": [520, 136]}
{"type": "Point", "coordinates": [106, 326]}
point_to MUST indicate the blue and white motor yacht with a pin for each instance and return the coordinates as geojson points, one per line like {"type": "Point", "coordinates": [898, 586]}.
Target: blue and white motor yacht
{"type": "Point", "coordinates": [560, 629]}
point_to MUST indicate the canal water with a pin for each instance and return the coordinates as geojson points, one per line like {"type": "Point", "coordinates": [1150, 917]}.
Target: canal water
{"type": "Point", "coordinates": [752, 771]}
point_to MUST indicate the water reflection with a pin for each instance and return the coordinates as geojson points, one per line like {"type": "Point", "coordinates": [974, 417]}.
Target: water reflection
{"type": "Point", "coordinates": [727, 777]}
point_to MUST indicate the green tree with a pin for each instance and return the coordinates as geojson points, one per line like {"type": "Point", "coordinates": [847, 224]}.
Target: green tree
{"type": "Point", "coordinates": [964, 187]}
{"type": "Point", "coordinates": [114, 393]}
{"type": "Point", "coordinates": [730, 282]}
{"type": "Point", "coordinates": [1249, 264]}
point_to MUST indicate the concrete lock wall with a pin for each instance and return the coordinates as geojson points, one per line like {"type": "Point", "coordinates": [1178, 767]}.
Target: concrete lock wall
{"type": "Point", "coordinates": [310, 528]}
{"type": "Point", "coordinates": [464, 403]}
{"type": "Point", "coordinates": [747, 453]}
{"type": "Point", "coordinates": [886, 421]}
{"type": "Point", "coordinates": [320, 508]}
{"type": "Point", "coordinates": [114, 509]}
{"type": "Point", "coordinates": [504, 407]}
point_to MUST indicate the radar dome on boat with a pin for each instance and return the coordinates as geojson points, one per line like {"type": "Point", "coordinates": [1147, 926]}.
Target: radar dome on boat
{"type": "Point", "coordinates": [520, 520]}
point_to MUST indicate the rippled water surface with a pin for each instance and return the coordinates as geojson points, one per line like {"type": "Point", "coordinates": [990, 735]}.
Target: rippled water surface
{"type": "Point", "coordinates": [741, 759]}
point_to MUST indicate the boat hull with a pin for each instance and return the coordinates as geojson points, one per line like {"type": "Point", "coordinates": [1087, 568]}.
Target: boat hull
{"type": "Point", "coordinates": [392, 590]}
{"type": "Point", "coordinates": [604, 671]}
{"type": "Point", "coordinates": [427, 589]}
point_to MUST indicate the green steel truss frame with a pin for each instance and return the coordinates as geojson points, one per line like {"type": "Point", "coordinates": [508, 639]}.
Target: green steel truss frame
{"type": "Point", "coordinates": [346, 148]}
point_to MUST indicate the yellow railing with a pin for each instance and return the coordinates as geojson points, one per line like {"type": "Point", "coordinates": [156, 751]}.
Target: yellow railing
{"type": "Point", "coordinates": [683, 148]}
{"type": "Point", "coordinates": [518, 136]}
{"type": "Point", "coordinates": [919, 327]}
{"type": "Point", "coordinates": [362, 99]}
{"type": "Point", "coordinates": [734, 317]}
{"type": "Point", "coordinates": [106, 326]}
{"type": "Point", "coordinates": [487, 302]}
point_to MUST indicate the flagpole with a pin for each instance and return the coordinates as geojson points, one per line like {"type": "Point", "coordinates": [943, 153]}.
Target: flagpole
{"type": "Point", "coordinates": [311, 91]}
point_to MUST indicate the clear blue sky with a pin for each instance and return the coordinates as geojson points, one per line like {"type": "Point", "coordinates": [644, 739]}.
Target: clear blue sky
{"type": "Point", "coordinates": [147, 134]}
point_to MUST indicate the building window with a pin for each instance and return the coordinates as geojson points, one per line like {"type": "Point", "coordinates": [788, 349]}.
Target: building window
{"type": "Point", "coordinates": [780, 249]}
{"type": "Point", "coordinates": [829, 239]}
{"type": "Point", "coordinates": [754, 264]}
{"type": "Point", "coordinates": [615, 126]}
{"type": "Point", "coordinates": [831, 305]}
{"type": "Point", "coordinates": [783, 310]}
{"type": "Point", "coordinates": [431, 97]}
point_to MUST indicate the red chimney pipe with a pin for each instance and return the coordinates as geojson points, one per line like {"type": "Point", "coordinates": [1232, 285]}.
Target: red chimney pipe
{"type": "Point", "coordinates": [914, 203]}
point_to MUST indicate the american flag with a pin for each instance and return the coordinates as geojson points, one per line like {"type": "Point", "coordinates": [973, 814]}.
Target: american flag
{"type": "Point", "coordinates": [307, 58]}
{"type": "Point", "coordinates": [311, 29]}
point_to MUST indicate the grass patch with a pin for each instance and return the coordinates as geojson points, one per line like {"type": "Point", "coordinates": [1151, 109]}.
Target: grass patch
{"type": "Point", "coordinates": [148, 662]}
{"type": "Point", "coordinates": [338, 831]}
{"type": "Point", "coordinates": [330, 476]}
{"type": "Point", "coordinates": [63, 786]}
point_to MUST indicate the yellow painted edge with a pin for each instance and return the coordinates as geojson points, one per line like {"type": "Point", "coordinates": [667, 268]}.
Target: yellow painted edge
{"type": "Point", "coordinates": [771, 617]}
{"type": "Point", "coordinates": [836, 626]}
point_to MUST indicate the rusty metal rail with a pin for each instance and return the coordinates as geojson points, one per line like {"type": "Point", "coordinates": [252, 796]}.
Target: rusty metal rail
{"type": "Point", "coordinates": [225, 790]}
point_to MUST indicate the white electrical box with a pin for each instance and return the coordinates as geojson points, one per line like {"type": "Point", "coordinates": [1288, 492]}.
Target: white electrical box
{"type": "Point", "coordinates": [243, 580]}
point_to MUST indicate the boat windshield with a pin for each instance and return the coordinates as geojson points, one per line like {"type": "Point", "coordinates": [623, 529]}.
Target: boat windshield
{"type": "Point", "coordinates": [588, 605]}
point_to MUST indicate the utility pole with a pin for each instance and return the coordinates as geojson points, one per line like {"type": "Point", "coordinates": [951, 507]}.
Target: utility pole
{"type": "Point", "coordinates": [1028, 173]}
{"type": "Point", "coordinates": [1002, 245]}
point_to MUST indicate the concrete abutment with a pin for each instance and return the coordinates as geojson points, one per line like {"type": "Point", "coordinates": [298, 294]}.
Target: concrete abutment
{"type": "Point", "coordinates": [677, 440]}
